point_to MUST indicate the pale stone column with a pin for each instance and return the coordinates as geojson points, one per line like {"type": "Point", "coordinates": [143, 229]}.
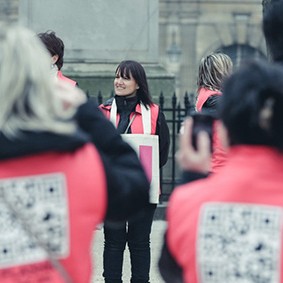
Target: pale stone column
{"type": "Point", "coordinates": [9, 11]}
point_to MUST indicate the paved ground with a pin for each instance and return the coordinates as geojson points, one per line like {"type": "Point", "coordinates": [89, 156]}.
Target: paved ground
{"type": "Point", "coordinates": [156, 240]}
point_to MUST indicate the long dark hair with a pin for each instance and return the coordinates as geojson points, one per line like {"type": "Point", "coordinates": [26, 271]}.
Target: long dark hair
{"type": "Point", "coordinates": [130, 67]}
{"type": "Point", "coordinates": [272, 25]}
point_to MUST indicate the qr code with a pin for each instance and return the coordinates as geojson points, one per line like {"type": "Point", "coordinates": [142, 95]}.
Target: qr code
{"type": "Point", "coordinates": [33, 206]}
{"type": "Point", "coordinates": [239, 243]}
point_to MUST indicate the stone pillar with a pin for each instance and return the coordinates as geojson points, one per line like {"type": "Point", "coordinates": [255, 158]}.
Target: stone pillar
{"type": "Point", "coordinates": [189, 19]}
{"type": "Point", "coordinates": [9, 11]}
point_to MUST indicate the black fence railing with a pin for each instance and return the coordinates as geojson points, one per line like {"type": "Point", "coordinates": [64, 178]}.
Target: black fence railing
{"type": "Point", "coordinates": [175, 112]}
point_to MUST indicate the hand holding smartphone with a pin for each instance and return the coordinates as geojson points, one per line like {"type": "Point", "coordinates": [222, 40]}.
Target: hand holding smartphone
{"type": "Point", "coordinates": [189, 158]}
{"type": "Point", "coordinates": [202, 122]}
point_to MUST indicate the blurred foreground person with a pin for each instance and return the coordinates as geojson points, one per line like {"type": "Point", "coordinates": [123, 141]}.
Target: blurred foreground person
{"type": "Point", "coordinates": [55, 185]}
{"type": "Point", "coordinates": [228, 226]}
{"type": "Point", "coordinates": [56, 48]}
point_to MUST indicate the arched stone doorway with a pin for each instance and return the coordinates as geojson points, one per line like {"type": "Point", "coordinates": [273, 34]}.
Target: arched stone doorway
{"type": "Point", "coordinates": [240, 53]}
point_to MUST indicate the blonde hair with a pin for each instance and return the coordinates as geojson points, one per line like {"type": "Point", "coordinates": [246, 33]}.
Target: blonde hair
{"type": "Point", "coordinates": [28, 99]}
{"type": "Point", "coordinates": [213, 69]}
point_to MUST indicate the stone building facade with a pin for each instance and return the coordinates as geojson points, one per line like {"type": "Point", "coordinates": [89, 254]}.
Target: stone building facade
{"type": "Point", "coordinates": [186, 30]}
{"type": "Point", "coordinates": [189, 30]}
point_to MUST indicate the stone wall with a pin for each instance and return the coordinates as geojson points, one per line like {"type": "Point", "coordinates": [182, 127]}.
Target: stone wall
{"type": "Point", "coordinates": [201, 27]}
{"type": "Point", "coordinates": [98, 35]}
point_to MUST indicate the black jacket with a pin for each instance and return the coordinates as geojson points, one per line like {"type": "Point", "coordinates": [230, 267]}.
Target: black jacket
{"type": "Point", "coordinates": [125, 106]}
{"type": "Point", "coordinates": [127, 184]}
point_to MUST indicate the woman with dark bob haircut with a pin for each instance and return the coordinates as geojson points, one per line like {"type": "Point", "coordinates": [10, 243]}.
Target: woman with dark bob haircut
{"type": "Point", "coordinates": [228, 226]}
{"type": "Point", "coordinates": [133, 112]}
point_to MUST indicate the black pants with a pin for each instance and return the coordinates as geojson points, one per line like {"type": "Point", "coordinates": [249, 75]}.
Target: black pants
{"type": "Point", "coordinates": [137, 235]}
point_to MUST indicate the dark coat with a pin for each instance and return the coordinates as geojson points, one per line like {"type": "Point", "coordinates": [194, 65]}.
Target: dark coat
{"type": "Point", "coordinates": [127, 184]}
{"type": "Point", "coordinates": [126, 106]}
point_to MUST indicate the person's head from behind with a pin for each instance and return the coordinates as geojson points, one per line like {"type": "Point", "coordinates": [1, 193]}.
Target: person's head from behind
{"type": "Point", "coordinates": [272, 29]}
{"type": "Point", "coordinates": [251, 105]}
{"type": "Point", "coordinates": [130, 80]}
{"type": "Point", "coordinates": [55, 46]}
{"type": "Point", "coordinates": [213, 69]}
{"type": "Point", "coordinates": [28, 95]}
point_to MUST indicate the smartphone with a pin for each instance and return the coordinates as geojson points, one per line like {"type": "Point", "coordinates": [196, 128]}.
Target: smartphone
{"type": "Point", "coordinates": [202, 122]}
